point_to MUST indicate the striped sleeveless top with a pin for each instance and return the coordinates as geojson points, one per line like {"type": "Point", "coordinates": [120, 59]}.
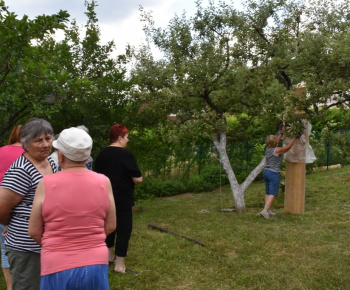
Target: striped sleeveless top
{"type": "Point", "coordinates": [23, 178]}
{"type": "Point", "coordinates": [273, 162]}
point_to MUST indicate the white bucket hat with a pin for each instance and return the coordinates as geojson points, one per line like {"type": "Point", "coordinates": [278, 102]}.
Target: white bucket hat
{"type": "Point", "coordinates": [74, 143]}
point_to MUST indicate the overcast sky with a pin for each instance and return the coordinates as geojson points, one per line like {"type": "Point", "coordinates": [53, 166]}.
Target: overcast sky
{"type": "Point", "coordinates": [118, 19]}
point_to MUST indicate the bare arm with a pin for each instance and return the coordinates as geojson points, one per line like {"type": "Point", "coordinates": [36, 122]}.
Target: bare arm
{"type": "Point", "coordinates": [111, 220]}
{"type": "Point", "coordinates": [137, 180]}
{"type": "Point", "coordinates": [8, 200]}
{"type": "Point", "coordinates": [282, 150]}
{"type": "Point", "coordinates": [281, 134]}
{"type": "Point", "coordinates": [36, 223]}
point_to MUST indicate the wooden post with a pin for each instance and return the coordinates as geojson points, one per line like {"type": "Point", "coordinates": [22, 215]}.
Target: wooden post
{"type": "Point", "coordinates": [294, 199]}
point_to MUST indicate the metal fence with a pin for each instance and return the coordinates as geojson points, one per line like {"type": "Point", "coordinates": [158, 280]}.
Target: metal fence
{"type": "Point", "coordinates": [244, 156]}
{"type": "Point", "coordinates": [332, 150]}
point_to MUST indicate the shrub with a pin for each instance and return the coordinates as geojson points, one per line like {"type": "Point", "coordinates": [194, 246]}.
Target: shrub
{"type": "Point", "coordinates": [208, 180]}
{"type": "Point", "coordinates": [156, 187]}
{"type": "Point", "coordinates": [212, 174]}
{"type": "Point", "coordinates": [195, 184]}
{"type": "Point", "coordinates": [147, 189]}
{"type": "Point", "coordinates": [172, 187]}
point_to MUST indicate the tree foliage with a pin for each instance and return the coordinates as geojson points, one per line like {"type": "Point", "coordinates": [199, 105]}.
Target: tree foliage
{"type": "Point", "coordinates": [21, 72]}
{"type": "Point", "coordinates": [69, 82]}
{"type": "Point", "coordinates": [94, 85]}
{"type": "Point", "coordinates": [203, 77]}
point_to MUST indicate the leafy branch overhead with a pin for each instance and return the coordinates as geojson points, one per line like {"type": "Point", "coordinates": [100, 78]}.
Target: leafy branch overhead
{"type": "Point", "coordinates": [227, 61]}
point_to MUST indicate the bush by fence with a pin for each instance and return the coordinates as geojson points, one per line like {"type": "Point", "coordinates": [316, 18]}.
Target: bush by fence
{"type": "Point", "coordinates": [196, 168]}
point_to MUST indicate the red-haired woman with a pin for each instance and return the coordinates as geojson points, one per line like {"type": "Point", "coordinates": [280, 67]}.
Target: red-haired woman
{"type": "Point", "coordinates": [120, 166]}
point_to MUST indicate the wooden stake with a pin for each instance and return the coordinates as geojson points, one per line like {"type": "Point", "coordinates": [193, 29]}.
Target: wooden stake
{"type": "Point", "coordinates": [294, 198]}
{"type": "Point", "coordinates": [176, 234]}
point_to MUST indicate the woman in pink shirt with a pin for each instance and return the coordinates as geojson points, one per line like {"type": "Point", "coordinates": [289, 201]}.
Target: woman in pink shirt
{"type": "Point", "coordinates": [8, 154]}
{"type": "Point", "coordinates": [73, 211]}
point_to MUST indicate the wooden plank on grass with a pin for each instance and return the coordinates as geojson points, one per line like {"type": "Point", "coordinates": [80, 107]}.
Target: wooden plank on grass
{"type": "Point", "coordinates": [165, 230]}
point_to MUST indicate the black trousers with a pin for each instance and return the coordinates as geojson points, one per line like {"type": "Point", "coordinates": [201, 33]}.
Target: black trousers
{"type": "Point", "coordinates": [123, 231]}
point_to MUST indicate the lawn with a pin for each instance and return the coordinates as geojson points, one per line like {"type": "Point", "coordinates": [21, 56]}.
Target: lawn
{"type": "Point", "coordinates": [243, 251]}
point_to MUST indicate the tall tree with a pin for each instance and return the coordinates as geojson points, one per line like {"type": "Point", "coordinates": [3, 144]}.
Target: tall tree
{"type": "Point", "coordinates": [226, 62]}
{"type": "Point", "coordinates": [70, 82]}
{"type": "Point", "coordinates": [93, 83]}
{"type": "Point", "coordinates": [19, 68]}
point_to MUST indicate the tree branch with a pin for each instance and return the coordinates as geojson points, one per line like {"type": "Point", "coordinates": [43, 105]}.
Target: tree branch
{"type": "Point", "coordinates": [253, 174]}
{"type": "Point", "coordinates": [260, 32]}
{"type": "Point", "coordinates": [6, 71]}
{"type": "Point", "coordinates": [13, 120]}
{"type": "Point", "coordinates": [176, 234]}
{"type": "Point", "coordinates": [210, 103]}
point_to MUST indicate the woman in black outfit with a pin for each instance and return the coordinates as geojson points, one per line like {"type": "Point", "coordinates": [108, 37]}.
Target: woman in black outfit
{"type": "Point", "coordinates": [120, 166]}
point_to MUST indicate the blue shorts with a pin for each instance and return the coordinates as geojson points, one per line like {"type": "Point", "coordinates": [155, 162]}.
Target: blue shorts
{"type": "Point", "coordinates": [86, 278]}
{"type": "Point", "coordinates": [272, 182]}
{"type": "Point", "coordinates": [4, 260]}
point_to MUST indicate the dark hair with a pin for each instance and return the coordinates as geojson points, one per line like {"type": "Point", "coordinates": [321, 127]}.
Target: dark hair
{"type": "Point", "coordinates": [116, 131]}
{"type": "Point", "coordinates": [14, 136]}
{"type": "Point", "coordinates": [34, 128]}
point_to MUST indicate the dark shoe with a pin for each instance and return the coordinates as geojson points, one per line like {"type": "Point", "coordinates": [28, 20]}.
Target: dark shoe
{"type": "Point", "coordinates": [110, 263]}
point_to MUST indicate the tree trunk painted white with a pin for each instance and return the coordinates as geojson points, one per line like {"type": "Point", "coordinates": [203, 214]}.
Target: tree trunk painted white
{"type": "Point", "coordinates": [237, 189]}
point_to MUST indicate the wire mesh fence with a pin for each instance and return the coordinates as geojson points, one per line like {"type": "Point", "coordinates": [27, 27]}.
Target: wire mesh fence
{"type": "Point", "coordinates": [185, 161]}
{"type": "Point", "coordinates": [181, 162]}
{"type": "Point", "coordinates": [331, 148]}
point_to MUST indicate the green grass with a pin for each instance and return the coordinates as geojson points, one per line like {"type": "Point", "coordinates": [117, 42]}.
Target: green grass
{"type": "Point", "coordinates": [243, 251]}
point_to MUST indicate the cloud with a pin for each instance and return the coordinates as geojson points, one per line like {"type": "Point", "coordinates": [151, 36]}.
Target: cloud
{"type": "Point", "coordinates": [119, 20]}
{"type": "Point", "coordinates": [108, 11]}
{"type": "Point", "coordinates": [112, 11]}
{"type": "Point", "coordinates": [128, 30]}
{"type": "Point", "coordinates": [34, 8]}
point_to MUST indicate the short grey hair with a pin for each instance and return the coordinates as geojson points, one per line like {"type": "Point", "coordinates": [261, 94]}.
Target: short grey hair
{"type": "Point", "coordinates": [83, 128]}
{"type": "Point", "coordinates": [34, 128]}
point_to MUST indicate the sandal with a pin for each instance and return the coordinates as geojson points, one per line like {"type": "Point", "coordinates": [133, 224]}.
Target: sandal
{"type": "Point", "coordinates": [127, 271]}
{"type": "Point", "coordinates": [110, 263]}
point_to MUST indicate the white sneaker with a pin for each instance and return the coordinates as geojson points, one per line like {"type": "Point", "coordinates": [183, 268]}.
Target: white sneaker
{"type": "Point", "coordinates": [264, 214]}
{"type": "Point", "coordinates": [270, 212]}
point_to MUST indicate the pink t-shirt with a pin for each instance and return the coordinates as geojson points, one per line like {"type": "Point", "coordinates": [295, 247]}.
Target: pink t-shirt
{"type": "Point", "coordinates": [74, 213]}
{"type": "Point", "coordinates": [8, 154]}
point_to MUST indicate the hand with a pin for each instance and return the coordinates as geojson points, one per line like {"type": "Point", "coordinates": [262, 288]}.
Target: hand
{"type": "Point", "coordinates": [4, 232]}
